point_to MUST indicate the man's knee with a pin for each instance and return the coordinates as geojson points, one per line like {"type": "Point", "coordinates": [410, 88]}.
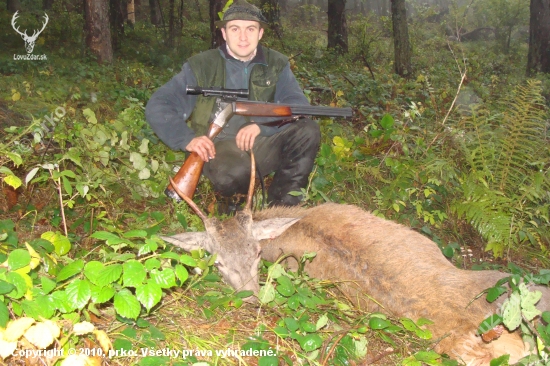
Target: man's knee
{"type": "Point", "coordinates": [227, 177]}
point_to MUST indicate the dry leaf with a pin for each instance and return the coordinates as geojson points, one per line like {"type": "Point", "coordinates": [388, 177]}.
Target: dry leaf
{"type": "Point", "coordinates": [40, 335]}
{"type": "Point", "coordinates": [17, 328]}
{"type": "Point", "coordinates": [103, 340]}
{"type": "Point", "coordinates": [83, 328]}
{"type": "Point", "coordinates": [76, 360]}
{"type": "Point", "coordinates": [492, 334]}
{"type": "Point", "coordinates": [7, 348]}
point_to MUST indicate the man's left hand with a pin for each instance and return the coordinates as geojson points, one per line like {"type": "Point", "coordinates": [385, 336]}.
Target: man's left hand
{"type": "Point", "coordinates": [246, 136]}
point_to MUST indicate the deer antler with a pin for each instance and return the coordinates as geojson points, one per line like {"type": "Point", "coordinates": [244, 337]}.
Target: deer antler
{"type": "Point", "coordinates": [13, 19]}
{"type": "Point", "coordinates": [46, 18]}
{"type": "Point", "coordinates": [252, 179]}
{"type": "Point", "coordinates": [189, 201]}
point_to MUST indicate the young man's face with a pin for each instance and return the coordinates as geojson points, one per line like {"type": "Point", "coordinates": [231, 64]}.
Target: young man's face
{"type": "Point", "coordinates": [242, 37]}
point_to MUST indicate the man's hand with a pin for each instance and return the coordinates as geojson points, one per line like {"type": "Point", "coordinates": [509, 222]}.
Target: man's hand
{"type": "Point", "coordinates": [246, 136]}
{"type": "Point", "coordinates": [203, 146]}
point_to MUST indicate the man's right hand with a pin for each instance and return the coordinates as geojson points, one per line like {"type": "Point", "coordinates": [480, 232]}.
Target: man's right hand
{"type": "Point", "coordinates": [203, 146]}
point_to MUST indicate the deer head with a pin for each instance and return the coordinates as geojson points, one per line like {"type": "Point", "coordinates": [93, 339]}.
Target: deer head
{"type": "Point", "coordinates": [235, 240]}
{"type": "Point", "coordinates": [29, 40]}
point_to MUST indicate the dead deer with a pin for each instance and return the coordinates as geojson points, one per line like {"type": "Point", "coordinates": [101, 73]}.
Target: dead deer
{"type": "Point", "coordinates": [404, 271]}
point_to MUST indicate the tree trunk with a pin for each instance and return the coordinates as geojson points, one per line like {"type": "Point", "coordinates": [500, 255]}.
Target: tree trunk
{"type": "Point", "coordinates": [401, 44]}
{"type": "Point", "coordinates": [13, 6]}
{"type": "Point", "coordinates": [47, 4]}
{"type": "Point", "coordinates": [171, 23]}
{"type": "Point", "coordinates": [215, 34]}
{"type": "Point", "coordinates": [131, 11]}
{"type": "Point", "coordinates": [272, 12]}
{"type": "Point", "coordinates": [98, 34]}
{"type": "Point", "coordinates": [538, 58]}
{"type": "Point", "coordinates": [117, 17]}
{"type": "Point", "coordinates": [337, 27]}
{"type": "Point", "coordinates": [154, 11]}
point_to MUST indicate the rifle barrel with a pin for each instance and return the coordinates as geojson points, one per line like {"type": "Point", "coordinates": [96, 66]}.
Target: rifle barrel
{"type": "Point", "coordinates": [320, 110]}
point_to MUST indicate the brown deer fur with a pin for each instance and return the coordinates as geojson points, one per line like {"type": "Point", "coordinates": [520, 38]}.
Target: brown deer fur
{"type": "Point", "coordinates": [402, 270]}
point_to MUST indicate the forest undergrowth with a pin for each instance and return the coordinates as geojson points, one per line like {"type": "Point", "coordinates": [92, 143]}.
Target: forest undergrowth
{"type": "Point", "coordinates": [459, 152]}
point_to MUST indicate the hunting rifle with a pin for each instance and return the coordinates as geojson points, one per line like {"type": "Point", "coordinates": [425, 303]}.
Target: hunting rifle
{"type": "Point", "coordinates": [229, 105]}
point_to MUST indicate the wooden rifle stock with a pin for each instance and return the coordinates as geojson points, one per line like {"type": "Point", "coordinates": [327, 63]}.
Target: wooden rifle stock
{"type": "Point", "coordinates": [189, 174]}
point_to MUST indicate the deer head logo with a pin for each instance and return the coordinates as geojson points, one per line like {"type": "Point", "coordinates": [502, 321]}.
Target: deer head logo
{"type": "Point", "coordinates": [29, 40]}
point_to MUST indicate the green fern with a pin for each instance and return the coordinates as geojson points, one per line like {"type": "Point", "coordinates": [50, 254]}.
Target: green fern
{"type": "Point", "coordinates": [505, 187]}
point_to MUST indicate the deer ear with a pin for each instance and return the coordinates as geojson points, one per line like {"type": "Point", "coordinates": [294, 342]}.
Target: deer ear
{"type": "Point", "coordinates": [190, 241]}
{"type": "Point", "coordinates": [272, 228]}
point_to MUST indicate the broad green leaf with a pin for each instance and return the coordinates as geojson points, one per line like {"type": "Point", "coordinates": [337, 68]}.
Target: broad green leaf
{"type": "Point", "coordinates": [70, 270]}
{"type": "Point", "coordinates": [134, 273]}
{"type": "Point", "coordinates": [135, 234]}
{"type": "Point", "coordinates": [285, 286]}
{"type": "Point", "coordinates": [321, 322]}
{"type": "Point", "coordinates": [79, 293]}
{"type": "Point", "coordinates": [60, 242]}
{"type": "Point", "coordinates": [149, 295]}
{"type": "Point", "coordinates": [67, 186]}
{"type": "Point", "coordinates": [495, 292]}
{"type": "Point", "coordinates": [427, 356]}
{"type": "Point", "coordinates": [19, 282]}
{"type": "Point", "coordinates": [110, 238]}
{"type": "Point", "coordinates": [90, 116]}
{"type": "Point", "coordinates": [18, 258]}
{"type": "Point", "coordinates": [378, 323]}
{"type": "Point", "coordinates": [144, 148]}
{"type": "Point", "coordinates": [511, 311]}
{"type": "Point", "coordinates": [188, 260]}
{"type": "Point", "coordinates": [38, 308]}
{"type": "Point", "coordinates": [500, 361]}
{"type": "Point", "coordinates": [62, 303]}
{"type": "Point", "coordinates": [181, 273]}
{"type": "Point", "coordinates": [5, 287]}
{"type": "Point", "coordinates": [292, 324]}
{"type": "Point", "coordinates": [165, 278]}
{"type": "Point", "coordinates": [138, 162]}
{"type": "Point", "coordinates": [267, 293]}
{"type": "Point", "coordinates": [310, 342]}
{"type": "Point", "coordinates": [14, 157]}
{"type": "Point", "coordinates": [4, 315]}
{"type": "Point", "coordinates": [103, 157]}
{"type": "Point", "coordinates": [126, 304]}
{"type": "Point", "coordinates": [102, 275]}
{"type": "Point", "coordinates": [268, 360]}
{"type": "Point", "coordinates": [13, 181]}
{"type": "Point", "coordinates": [144, 173]}
{"type": "Point", "coordinates": [387, 121]}
{"type": "Point", "coordinates": [101, 295]}
{"type": "Point", "coordinates": [47, 284]}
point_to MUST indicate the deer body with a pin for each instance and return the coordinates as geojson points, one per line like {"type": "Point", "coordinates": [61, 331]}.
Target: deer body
{"type": "Point", "coordinates": [402, 270]}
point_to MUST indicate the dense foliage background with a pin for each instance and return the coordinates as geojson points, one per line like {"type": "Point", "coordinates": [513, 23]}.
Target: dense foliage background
{"type": "Point", "coordinates": [459, 151]}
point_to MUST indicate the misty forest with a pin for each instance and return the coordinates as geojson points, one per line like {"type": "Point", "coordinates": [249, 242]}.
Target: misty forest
{"type": "Point", "coordinates": [449, 137]}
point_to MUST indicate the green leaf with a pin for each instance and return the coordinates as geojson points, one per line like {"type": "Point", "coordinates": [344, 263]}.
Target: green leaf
{"type": "Point", "coordinates": [134, 273]}
{"type": "Point", "coordinates": [387, 121]}
{"type": "Point", "coordinates": [292, 324]}
{"type": "Point", "coordinates": [188, 260]}
{"type": "Point", "coordinates": [165, 278]}
{"type": "Point", "coordinates": [378, 323]}
{"type": "Point", "coordinates": [70, 270]}
{"type": "Point", "coordinates": [4, 315]}
{"type": "Point", "coordinates": [182, 220]}
{"type": "Point", "coordinates": [60, 242]}
{"type": "Point", "coordinates": [267, 293]}
{"type": "Point", "coordinates": [310, 342]}
{"type": "Point", "coordinates": [90, 116]}
{"type": "Point", "coordinates": [137, 160]}
{"type": "Point", "coordinates": [67, 186]}
{"type": "Point", "coordinates": [13, 181]}
{"type": "Point", "coordinates": [61, 302]}
{"type": "Point", "coordinates": [495, 292]}
{"type": "Point", "coordinates": [181, 273]}
{"type": "Point", "coordinates": [149, 295]}
{"type": "Point", "coordinates": [18, 258]}
{"type": "Point", "coordinates": [79, 293]}
{"type": "Point", "coordinates": [101, 295]}
{"type": "Point", "coordinates": [102, 275]}
{"type": "Point", "coordinates": [20, 285]}
{"type": "Point", "coordinates": [285, 286]}
{"type": "Point", "coordinates": [321, 322]}
{"type": "Point", "coordinates": [427, 356]}
{"type": "Point", "coordinates": [511, 312]}
{"type": "Point", "coordinates": [500, 361]}
{"type": "Point", "coordinates": [126, 304]}
{"type": "Point", "coordinates": [5, 287]}
{"type": "Point", "coordinates": [47, 284]}
{"type": "Point", "coordinates": [135, 234]}
{"type": "Point", "coordinates": [268, 360]}
{"type": "Point", "coordinates": [109, 238]}
{"type": "Point", "coordinates": [38, 308]}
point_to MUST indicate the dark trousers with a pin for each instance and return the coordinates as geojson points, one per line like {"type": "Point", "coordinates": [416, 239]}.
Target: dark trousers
{"type": "Point", "coordinates": [289, 153]}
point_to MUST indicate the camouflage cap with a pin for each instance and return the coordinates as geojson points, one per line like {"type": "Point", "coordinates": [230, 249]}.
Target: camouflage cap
{"type": "Point", "coordinates": [242, 10]}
